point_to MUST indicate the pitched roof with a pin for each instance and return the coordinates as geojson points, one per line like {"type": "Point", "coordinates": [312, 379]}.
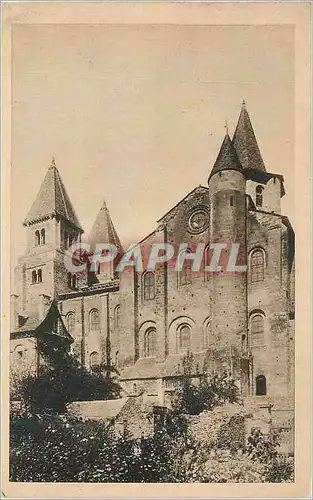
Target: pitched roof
{"type": "Point", "coordinates": [172, 367]}
{"type": "Point", "coordinates": [52, 199]}
{"type": "Point", "coordinates": [98, 410]}
{"type": "Point", "coordinates": [53, 325]}
{"type": "Point", "coordinates": [245, 142]}
{"type": "Point", "coordinates": [103, 230]}
{"type": "Point", "coordinates": [227, 158]}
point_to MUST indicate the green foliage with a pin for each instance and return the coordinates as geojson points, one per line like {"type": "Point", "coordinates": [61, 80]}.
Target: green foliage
{"type": "Point", "coordinates": [62, 380]}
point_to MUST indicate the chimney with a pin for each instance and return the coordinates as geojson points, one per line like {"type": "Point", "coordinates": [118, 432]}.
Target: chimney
{"type": "Point", "coordinates": [44, 304]}
{"type": "Point", "coordinates": [14, 312]}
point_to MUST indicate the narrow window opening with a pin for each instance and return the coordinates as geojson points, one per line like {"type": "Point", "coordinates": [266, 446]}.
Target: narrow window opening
{"type": "Point", "coordinates": [231, 201]}
{"type": "Point", "coordinates": [39, 275]}
{"type": "Point", "coordinates": [34, 277]}
{"type": "Point", "coordinates": [260, 385]}
{"type": "Point", "coordinates": [259, 196]}
{"type": "Point", "coordinates": [37, 238]}
{"type": "Point", "coordinates": [149, 286]}
{"type": "Point", "coordinates": [43, 236]}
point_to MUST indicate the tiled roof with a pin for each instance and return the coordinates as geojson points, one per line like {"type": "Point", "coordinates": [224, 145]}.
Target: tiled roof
{"type": "Point", "coordinates": [51, 325]}
{"type": "Point", "coordinates": [98, 410]}
{"type": "Point", "coordinates": [103, 230]}
{"type": "Point", "coordinates": [245, 143]}
{"type": "Point", "coordinates": [172, 367]}
{"type": "Point", "coordinates": [227, 158]}
{"type": "Point", "coordinates": [52, 199]}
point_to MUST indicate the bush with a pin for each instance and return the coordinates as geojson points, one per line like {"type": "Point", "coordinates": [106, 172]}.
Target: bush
{"type": "Point", "coordinates": [63, 449]}
{"type": "Point", "coordinates": [211, 391]}
{"type": "Point", "coordinates": [63, 380]}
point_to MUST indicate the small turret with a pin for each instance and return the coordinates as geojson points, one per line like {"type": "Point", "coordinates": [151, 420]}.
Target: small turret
{"type": "Point", "coordinates": [103, 232]}
{"type": "Point", "coordinates": [228, 227]}
{"type": "Point", "coordinates": [227, 158]}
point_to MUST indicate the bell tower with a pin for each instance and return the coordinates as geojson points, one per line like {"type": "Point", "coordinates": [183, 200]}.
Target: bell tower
{"type": "Point", "coordinates": [52, 226]}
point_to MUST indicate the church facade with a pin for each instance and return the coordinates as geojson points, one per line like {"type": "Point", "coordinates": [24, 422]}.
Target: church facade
{"type": "Point", "coordinates": [143, 323]}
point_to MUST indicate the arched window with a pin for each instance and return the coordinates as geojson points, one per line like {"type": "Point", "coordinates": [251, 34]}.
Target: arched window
{"type": "Point", "coordinates": [259, 196]}
{"type": "Point", "coordinates": [117, 311]}
{"type": "Point", "coordinates": [149, 286]}
{"type": "Point", "coordinates": [257, 330]}
{"type": "Point", "coordinates": [257, 266]}
{"type": "Point", "coordinates": [260, 385]}
{"type": "Point", "coordinates": [39, 276]}
{"type": "Point", "coordinates": [65, 239]}
{"type": "Point", "coordinates": [69, 280]}
{"type": "Point", "coordinates": [43, 237]}
{"type": "Point", "coordinates": [150, 342]}
{"type": "Point", "coordinates": [70, 322]}
{"type": "Point", "coordinates": [34, 277]}
{"type": "Point", "coordinates": [94, 320]}
{"type": "Point", "coordinates": [185, 273]}
{"type": "Point", "coordinates": [19, 352]}
{"type": "Point", "coordinates": [37, 238]}
{"type": "Point", "coordinates": [184, 338]}
{"type": "Point", "coordinates": [134, 388]}
{"type": "Point", "coordinates": [94, 361]}
{"type": "Point", "coordinates": [70, 240]}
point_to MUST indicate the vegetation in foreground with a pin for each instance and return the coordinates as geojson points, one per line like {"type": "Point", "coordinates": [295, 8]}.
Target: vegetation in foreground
{"type": "Point", "coordinates": [47, 445]}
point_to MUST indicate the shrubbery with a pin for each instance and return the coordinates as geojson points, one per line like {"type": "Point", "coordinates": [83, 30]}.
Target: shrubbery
{"type": "Point", "coordinates": [62, 380]}
{"type": "Point", "coordinates": [62, 449]}
{"type": "Point", "coordinates": [58, 448]}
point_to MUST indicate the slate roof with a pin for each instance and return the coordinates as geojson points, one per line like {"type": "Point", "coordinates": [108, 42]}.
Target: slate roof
{"type": "Point", "coordinates": [99, 410]}
{"type": "Point", "coordinates": [172, 367]}
{"type": "Point", "coordinates": [227, 158]}
{"type": "Point", "coordinates": [51, 200]}
{"type": "Point", "coordinates": [245, 143]}
{"type": "Point", "coordinates": [52, 325]}
{"type": "Point", "coordinates": [103, 230]}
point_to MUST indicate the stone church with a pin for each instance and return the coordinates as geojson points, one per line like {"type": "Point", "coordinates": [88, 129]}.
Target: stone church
{"type": "Point", "coordinates": [142, 324]}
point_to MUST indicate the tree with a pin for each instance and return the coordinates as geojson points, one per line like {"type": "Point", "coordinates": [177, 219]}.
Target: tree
{"type": "Point", "coordinates": [210, 391]}
{"type": "Point", "coordinates": [62, 380]}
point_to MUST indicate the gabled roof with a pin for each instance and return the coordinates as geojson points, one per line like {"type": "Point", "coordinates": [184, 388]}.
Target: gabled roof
{"type": "Point", "coordinates": [103, 230]}
{"type": "Point", "coordinates": [199, 188]}
{"type": "Point", "coordinates": [51, 326]}
{"type": "Point", "coordinates": [245, 142]}
{"type": "Point", "coordinates": [227, 158]}
{"type": "Point", "coordinates": [52, 200]}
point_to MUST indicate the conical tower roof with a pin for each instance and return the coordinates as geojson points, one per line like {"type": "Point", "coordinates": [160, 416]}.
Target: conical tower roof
{"type": "Point", "coordinates": [245, 142]}
{"type": "Point", "coordinates": [103, 230]}
{"type": "Point", "coordinates": [227, 158]}
{"type": "Point", "coordinates": [52, 200]}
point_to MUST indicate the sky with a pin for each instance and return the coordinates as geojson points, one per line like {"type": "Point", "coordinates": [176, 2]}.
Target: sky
{"type": "Point", "coordinates": [135, 115]}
